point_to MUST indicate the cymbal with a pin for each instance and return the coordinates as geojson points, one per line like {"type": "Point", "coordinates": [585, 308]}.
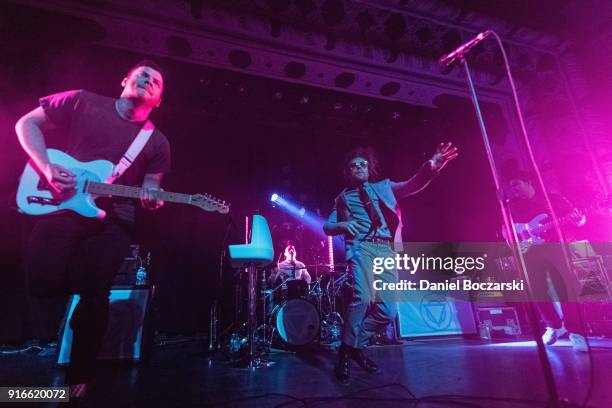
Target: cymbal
{"type": "Point", "coordinates": [337, 267]}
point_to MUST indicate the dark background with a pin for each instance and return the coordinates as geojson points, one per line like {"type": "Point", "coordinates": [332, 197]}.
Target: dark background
{"type": "Point", "coordinates": [240, 138]}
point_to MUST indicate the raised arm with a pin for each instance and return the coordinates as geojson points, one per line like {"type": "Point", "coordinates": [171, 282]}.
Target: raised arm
{"type": "Point", "coordinates": [444, 153]}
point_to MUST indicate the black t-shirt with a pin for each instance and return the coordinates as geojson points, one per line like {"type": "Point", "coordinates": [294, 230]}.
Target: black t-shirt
{"type": "Point", "coordinates": [524, 210]}
{"type": "Point", "coordinates": [89, 128]}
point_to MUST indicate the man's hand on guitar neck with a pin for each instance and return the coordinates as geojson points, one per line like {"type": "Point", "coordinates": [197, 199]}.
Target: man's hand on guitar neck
{"type": "Point", "coordinates": [59, 178]}
{"type": "Point", "coordinates": [150, 186]}
{"type": "Point", "coordinates": [148, 199]}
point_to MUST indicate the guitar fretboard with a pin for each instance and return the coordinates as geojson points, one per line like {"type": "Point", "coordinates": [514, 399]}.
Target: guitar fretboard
{"type": "Point", "coordinates": [562, 221]}
{"type": "Point", "coordinates": [104, 189]}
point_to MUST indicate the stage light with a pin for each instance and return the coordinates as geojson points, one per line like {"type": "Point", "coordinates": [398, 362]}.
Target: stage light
{"type": "Point", "coordinates": [314, 222]}
{"type": "Point", "coordinates": [330, 254]}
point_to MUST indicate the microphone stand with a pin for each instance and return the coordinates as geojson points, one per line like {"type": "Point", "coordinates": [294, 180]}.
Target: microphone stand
{"type": "Point", "coordinates": [553, 394]}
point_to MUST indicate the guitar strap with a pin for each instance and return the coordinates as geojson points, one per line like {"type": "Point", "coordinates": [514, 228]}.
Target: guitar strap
{"type": "Point", "coordinates": [133, 151]}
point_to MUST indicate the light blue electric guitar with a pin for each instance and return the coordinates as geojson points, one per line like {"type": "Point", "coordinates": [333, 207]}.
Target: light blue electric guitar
{"type": "Point", "coordinates": [36, 197]}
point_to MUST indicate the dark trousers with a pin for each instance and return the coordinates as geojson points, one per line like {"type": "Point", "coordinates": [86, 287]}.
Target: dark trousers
{"type": "Point", "coordinates": [70, 254]}
{"type": "Point", "coordinates": [545, 262]}
{"type": "Point", "coordinates": [368, 311]}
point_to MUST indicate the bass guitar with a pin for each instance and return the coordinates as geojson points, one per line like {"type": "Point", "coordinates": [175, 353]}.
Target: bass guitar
{"type": "Point", "coordinates": [534, 232]}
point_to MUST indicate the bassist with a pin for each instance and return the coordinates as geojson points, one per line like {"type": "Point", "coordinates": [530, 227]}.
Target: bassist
{"type": "Point", "coordinates": [545, 261]}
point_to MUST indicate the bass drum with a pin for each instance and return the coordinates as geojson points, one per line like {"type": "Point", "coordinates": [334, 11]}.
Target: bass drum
{"type": "Point", "coordinates": [297, 322]}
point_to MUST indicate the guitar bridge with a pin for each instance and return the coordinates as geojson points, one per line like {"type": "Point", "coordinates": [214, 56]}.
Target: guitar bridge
{"type": "Point", "coordinates": [43, 200]}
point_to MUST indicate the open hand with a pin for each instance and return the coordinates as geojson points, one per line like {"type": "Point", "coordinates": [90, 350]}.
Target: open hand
{"type": "Point", "coordinates": [444, 153]}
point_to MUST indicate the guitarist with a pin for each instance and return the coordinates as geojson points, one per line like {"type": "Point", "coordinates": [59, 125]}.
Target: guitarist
{"type": "Point", "coordinates": [546, 261]}
{"type": "Point", "coordinates": [68, 253]}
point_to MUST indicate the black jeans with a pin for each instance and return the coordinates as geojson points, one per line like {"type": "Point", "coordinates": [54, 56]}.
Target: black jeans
{"type": "Point", "coordinates": [547, 260]}
{"type": "Point", "coordinates": [70, 254]}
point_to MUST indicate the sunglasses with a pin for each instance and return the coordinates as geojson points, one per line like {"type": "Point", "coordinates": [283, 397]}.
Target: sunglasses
{"type": "Point", "coordinates": [359, 165]}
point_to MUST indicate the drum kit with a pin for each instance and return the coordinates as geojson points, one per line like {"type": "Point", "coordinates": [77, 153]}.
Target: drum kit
{"type": "Point", "coordinates": [292, 315]}
{"type": "Point", "coordinates": [296, 315]}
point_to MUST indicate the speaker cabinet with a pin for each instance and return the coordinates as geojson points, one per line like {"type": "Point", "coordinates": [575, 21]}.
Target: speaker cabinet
{"type": "Point", "coordinates": [125, 334]}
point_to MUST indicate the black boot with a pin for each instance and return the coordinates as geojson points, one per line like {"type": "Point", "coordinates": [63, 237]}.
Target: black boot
{"type": "Point", "coordinates": [343, 368]}
{"type": "Point", "coordinates": [364, 362]}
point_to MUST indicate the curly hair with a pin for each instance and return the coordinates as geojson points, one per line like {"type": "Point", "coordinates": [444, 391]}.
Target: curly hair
{"type": "Point", "coordinates": [368, 154]}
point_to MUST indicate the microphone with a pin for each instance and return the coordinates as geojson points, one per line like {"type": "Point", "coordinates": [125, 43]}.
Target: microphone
{"type": "Point", "coordinates": [449, 58]}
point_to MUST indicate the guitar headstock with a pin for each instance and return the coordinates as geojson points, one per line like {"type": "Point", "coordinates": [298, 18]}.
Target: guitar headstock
{"type": "Point", "coordinates": [210, 203]}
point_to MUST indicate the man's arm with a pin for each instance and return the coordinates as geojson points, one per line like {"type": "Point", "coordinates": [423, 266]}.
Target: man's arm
{"type": "Point", "coordinates": [416, 183]}
{"type": "Point", "coordinates": [565, 208]}
{"type": "Point", "coordinates": [150, 184]}
{"type": "Point", "coordinates": [343, 227]}
{"type": "Point", "coordinates": [333, 227]}
{"type": "Point", "coordinates": [274, 275]}
{"type": "Point", "coordinates": [444, 153]}
{"type": "Point", "coordinates": [306, 276]}
{"type": "Point", "coordinates": [29, 129]}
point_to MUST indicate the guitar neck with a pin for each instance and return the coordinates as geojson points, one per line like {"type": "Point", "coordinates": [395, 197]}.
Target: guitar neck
{"type": "Point", "coordinates": [562, 221]}
{"type": "Point", "coordinates": [104, 189]}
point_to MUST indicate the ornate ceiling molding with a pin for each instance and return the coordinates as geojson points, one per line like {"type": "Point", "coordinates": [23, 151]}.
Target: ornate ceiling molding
{"type": "Point", "coordinates": [376, 48]}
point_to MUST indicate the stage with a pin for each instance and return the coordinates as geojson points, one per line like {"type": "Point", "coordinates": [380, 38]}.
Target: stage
{"type": "Point", "coordinates": [438, 372]}
{"type": "Point", "coordinates": [312, 165]}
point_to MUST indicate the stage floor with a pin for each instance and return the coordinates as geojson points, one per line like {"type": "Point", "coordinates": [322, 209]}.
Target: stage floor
{"type": "Point", "coordinates": [440, 373]}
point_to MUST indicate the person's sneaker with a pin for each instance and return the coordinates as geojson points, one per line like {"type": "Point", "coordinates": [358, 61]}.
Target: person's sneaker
{"type": "Point", "coordinates": [551, 335]}
{"type": "Point", "coordinates": [578, 342]}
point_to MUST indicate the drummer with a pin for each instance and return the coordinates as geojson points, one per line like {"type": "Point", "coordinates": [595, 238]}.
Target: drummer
{"type": "Point", "coordinates": [291, 268]}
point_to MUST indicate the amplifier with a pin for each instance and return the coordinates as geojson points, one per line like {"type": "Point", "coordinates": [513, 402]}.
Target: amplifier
{"type": "Point", "coordinates": [126, 333]}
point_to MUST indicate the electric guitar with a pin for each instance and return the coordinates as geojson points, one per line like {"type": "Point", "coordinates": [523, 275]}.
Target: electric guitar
{"type": "Point", "coordinates": [532, 232]}
{"type": "Point", "coordinates": [36, 197]}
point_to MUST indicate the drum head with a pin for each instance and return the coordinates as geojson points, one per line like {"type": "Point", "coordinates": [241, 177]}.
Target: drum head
{"type": "Point", "coordinates": [297, 322]}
